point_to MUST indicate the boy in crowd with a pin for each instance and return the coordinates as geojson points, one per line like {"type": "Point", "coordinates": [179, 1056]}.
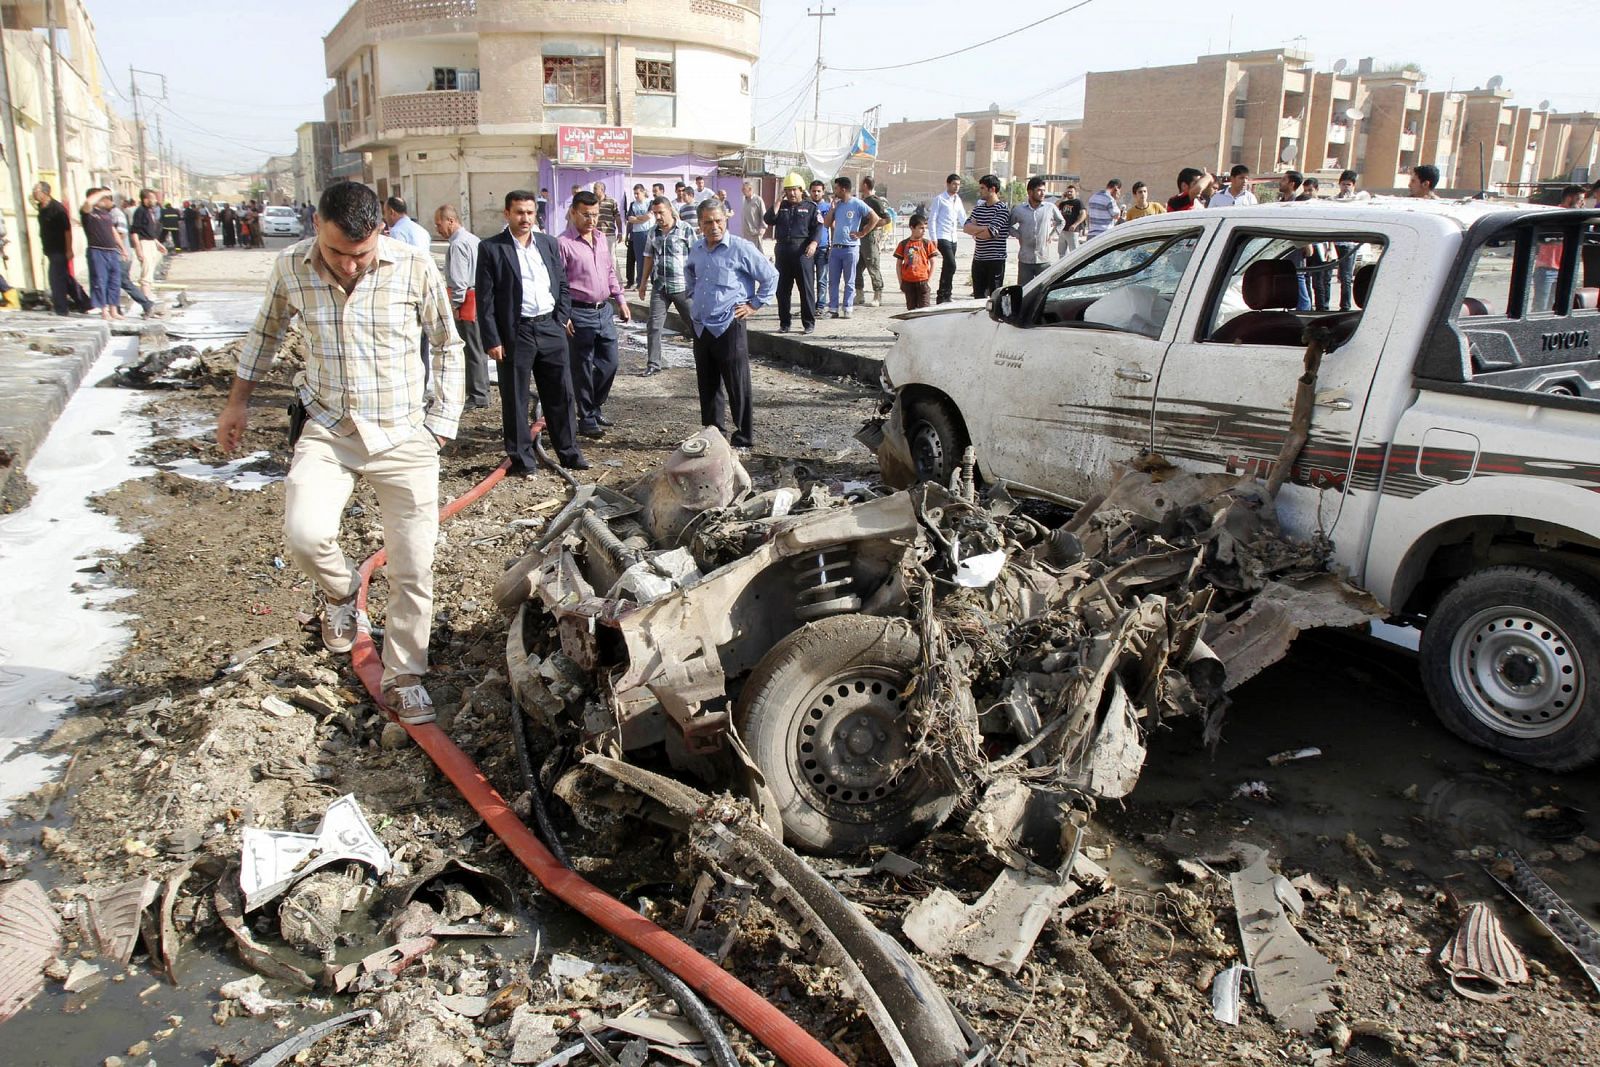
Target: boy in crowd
{"type": "Point", "coordinates": [916, 255]}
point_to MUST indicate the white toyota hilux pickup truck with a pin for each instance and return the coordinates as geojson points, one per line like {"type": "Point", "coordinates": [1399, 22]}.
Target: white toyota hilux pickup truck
{"type": "Point", "coordinates": [1453, 456]}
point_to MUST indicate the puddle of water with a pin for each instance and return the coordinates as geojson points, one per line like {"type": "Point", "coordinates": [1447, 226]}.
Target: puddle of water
{"type": "Point", "coordinates": [231, 474]}
{"type": "Point", "coordinates": [210, 319]}
{"type": "Point", "coordinates": [51, 648]}
{"type": "Point", "coordinates": [635, 337]}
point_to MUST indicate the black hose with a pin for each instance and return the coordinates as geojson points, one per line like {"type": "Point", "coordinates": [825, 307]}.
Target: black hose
{"type": "Point", "coordinates": [544, 457]}
{"type": "Point", "coordinates": [694, 1009]}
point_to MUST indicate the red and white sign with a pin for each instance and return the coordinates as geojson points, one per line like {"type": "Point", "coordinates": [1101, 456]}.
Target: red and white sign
{"type": "Point", "coordinates": [598, 146]}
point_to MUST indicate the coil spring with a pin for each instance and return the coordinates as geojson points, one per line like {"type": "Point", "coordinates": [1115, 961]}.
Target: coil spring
{"type": "Point", "coordinates": [823, 582]}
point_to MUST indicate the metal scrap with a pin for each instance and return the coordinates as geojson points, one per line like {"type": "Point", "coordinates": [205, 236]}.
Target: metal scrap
{"type": "Point", "coordinates": [1557, 916]}
{"type": "Point", "coordinates": [1480, 959]}
{"type": "Point", "coordinates": [30, 939]}
{"type": "Point", "coordinates": [1290, 977]}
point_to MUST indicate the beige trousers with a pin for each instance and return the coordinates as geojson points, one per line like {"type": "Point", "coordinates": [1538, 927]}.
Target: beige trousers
{"type": "Point", "coordinates": [322, 476]}
{"type": "Point", "coordinates": [147, 266]}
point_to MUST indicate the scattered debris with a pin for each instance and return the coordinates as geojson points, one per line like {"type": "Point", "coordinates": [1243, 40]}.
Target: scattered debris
{"type": "Point", "coordinates": [247, 992]}
{"type": "Point", "coordinates": [283, 1053]}
{"type": "Point", "coordinates": [114, 916]}
{"type": "Point", "coordinates": [271, 860]}
{"type": "Point", "coordinates": [1294, 755]}
{"type": "Point", "coordinates": [1290, 978]}
{"type": "Point", "coordinates": [1225, 994]}
{"type": "Point", "coordinates": [178, 367]}
{"type": "Point", "coordinates": [1557, 916]}
{"type": "Point", "coordinates": [30, 939]}
{"type": "Point", "coordinates": [1480, 959]}
{"type": "Point", "coordinates": [81, 977]}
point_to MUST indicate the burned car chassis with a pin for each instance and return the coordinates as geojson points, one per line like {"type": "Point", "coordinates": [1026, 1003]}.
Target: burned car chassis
{"type": "Point", "coordinates": [862, 666]}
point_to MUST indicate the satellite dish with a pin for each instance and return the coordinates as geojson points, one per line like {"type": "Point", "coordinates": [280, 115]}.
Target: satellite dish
{"type": "Point", "coordinates": [1354, 114]}
{"type": "Point", "coordinates": [1495, 83]}
{"type": "Point", "coordinates": [1544, 105]}
{"type": "Point", "coordinates": [1339, 65]}
{"type": "Point", "coordinates": [1286, 157]}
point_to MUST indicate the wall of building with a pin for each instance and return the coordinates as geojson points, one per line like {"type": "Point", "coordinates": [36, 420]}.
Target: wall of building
{"type": "Point", "coordinates": [1149, 124]}
{"type": "Point", "coordinates": [406, 66]}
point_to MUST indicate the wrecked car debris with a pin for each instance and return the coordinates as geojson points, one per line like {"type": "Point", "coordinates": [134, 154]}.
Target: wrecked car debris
{"type": "Point", "coordinates": [1480, 959]}
{"type": "Point", "coordinates": [1290, 977]}
{"type": "Point", "coordinates": [30, 939]}
{"type": "Point", "coordinates": [271, 860]}
{"type": "Point", "coordinates": [859, 665]}
{"type": "Point", "coordinates": [1558, 917]}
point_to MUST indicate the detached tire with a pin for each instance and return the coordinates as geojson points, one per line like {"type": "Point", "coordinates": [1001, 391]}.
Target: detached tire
{"type": "Point", "coordinates": [823, 715]}
{"type": "Point", "coordinates": [1511, 661]}
{"type": "Point", "coordinates": [937, 439]}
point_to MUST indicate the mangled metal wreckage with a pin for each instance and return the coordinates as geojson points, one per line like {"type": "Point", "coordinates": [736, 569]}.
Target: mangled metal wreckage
{"type": "Point", "coordinates": [859, 665]}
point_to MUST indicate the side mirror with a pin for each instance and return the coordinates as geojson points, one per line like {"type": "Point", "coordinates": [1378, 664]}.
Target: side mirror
{"type": "Point", "coordinates": [1005, 305]}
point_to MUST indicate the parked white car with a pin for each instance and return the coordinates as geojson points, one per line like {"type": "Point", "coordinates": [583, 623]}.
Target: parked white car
{"type": "Point", "coordinates": [1452, 458]}
{"type": "Point", "coordinates": [280, 222]}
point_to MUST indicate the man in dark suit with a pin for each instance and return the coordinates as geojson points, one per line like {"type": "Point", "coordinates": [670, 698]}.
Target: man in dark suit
{"type": "Point", "coordinates": [523, 312]}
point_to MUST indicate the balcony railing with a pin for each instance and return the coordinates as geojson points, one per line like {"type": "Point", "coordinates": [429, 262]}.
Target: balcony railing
{"type": "Point", "coordinates": [1289, 128]}
{"type": "Point", "coordinates": [1338, 134]}
{"type": "Point", "coordinates": [440, 108]}
{"type": "Point", "coordinates": [392, 12]}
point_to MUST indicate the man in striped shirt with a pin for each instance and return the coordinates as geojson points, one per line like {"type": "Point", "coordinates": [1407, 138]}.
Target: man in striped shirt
{"type": "Point", "coordinates": [364, 302]}
{"type": "Point", "coordinates": [990, 225]}
{"type": "Point", "coordinates": [1104, 209]}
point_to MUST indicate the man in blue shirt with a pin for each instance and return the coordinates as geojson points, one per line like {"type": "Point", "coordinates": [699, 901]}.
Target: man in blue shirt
{"type": "Point", "coordinates": [819, 197]}
{"type": "Point", "coordinates": [850, 219]}
{"type": "Point", "coordinates": [728, 279]}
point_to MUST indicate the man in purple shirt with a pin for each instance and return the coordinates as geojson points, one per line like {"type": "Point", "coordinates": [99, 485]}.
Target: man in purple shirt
{"type": "Point", "coordinates": [592, 331]}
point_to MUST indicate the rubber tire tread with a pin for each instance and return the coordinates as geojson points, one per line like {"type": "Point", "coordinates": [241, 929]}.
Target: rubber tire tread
{"type": "Point", "coordinates": [944, 422]}
{"type": "Point", "coordinates": [768, 714]}
{"type": "Point", "coordinates": [1570, 606]}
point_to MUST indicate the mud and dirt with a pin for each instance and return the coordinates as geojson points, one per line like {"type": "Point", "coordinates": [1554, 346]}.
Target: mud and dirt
{"type": "Point", "coordinates": [192, 750]}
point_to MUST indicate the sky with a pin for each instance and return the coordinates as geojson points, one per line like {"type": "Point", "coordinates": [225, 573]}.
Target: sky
{"type": "Point", "coordinates": [240, 79]}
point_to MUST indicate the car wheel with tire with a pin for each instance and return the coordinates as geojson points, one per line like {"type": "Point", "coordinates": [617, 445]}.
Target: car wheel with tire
{"type": "Point", "coordinates": [1511, 661]}
{"type": "Point", "coordinates": [937, 439]}
{"type": "Point", "coordinates": [824, 718]}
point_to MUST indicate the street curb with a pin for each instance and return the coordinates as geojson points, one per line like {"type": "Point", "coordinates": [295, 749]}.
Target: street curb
{"type": "Point", "coordinates": [818, 358]}
{"type": "Point", "coordinates": [43, 360]}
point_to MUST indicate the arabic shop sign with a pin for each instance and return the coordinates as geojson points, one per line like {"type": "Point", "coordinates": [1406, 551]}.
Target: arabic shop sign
{"type": "Point", "coordinates": [599, 146]}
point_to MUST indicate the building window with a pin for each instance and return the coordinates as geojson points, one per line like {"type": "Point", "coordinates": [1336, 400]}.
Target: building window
{"type": "Point", "coordinates": [455, 78]}
{"type": "Point", "coordinates": [655, 76]}
{"type": "Point", "coordinates": [574, 79]}
{"type": "Point", "coordinates": [1240, 107]}
{"type": "Point", "coordinates": [1447, 126]}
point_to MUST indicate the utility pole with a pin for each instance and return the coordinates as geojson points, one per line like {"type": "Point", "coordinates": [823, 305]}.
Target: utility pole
{"type": "Point", "coordinates": [819, 14]}
{"type": "Point", "coordinates": [9, 128]}
{"type": "Point", "coordinates": [55, 98]}
{"type": "Point", "coordinates": [138, 126]}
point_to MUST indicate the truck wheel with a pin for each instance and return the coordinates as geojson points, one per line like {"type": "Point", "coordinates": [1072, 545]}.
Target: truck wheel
{"type": "Point", "coordinates": [824, 717]}
{"type": "Point", "coordinates": [937, 440]}
{"type": "Point", "coordinates": [1511, 661]}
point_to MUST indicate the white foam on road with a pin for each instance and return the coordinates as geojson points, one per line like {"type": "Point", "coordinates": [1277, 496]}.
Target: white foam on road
{"type": "Point", "coordinates": [230, 474]}
{"type": "Point", "coordinates": [54, 639]}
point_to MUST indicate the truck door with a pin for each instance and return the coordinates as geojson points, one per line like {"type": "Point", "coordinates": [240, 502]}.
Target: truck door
{"type": "Point", "coordinates": [1226, 392]}
{"type": "Point", "coordinates": [1082, 361]}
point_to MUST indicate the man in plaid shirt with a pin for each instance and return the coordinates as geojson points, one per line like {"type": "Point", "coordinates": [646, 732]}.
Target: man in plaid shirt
{"type": "Point", "coordinates": [364, 302]}
{"type": "Point", "coordinates": [666, 249]}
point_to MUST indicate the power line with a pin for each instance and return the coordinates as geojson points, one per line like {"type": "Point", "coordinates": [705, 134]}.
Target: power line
{"type": "Point", "coordinates": [197, 128]}
{"type": "Point", "coordinates": [968, 48]}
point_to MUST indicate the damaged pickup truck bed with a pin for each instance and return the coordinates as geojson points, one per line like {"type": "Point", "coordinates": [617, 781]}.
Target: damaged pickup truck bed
{"type": "Point", "coordinates": [859, 665]}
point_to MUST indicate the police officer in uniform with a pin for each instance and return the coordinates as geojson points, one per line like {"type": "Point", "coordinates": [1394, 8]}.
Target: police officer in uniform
{"type": "Point", "coordinates": [796, 224]}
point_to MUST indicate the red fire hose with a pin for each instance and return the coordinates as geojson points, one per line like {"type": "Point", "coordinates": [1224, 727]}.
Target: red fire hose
{"type": "Point", "coordinates": [781, 1035]}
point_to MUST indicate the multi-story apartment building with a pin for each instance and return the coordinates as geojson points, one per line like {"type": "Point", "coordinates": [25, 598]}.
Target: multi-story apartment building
{"type": "Point", "coordinates": [914, 158]}
{"type": "Point", "coordinates": [460, 101]}
{"type": "Point", "coordinates": [313, 160]}
{"type": "Point", "coordinates": [1569, 151]}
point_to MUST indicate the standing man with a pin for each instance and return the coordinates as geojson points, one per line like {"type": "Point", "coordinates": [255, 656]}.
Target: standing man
{"type": "Point", "coordinates": [523, 313]}
{"type": "Point", "coordinates": [55, 238]}
{"type": "Point", "coordinates": [990, 225]}
{"type": "Point", "coordinates": [1238, 193]}
{"type": "Point", "coordinates": [610, 224]}
{"type": "Point", "coordinates": [851, 220]}
{"type": "Point", "coordinates": [402, 227]}
{"type": "Point", "coordinates": [1037, 226]}
{"type": "Point", "coordinates": [819, 261]}
{"type": "Point", "coordinates": [1193, 184]}
{"type": "Point", "coordinates": [1073, 214]}
{"type": "Point", "coordinates": [1346, 250]}
{"type": "Point", "coordinates": [130, 262]}
{"type": "Point", "coordinates": [1547, 256]}
{"type": "Point", "coordinates": [1141, 205]}
{"type": "Point", "coordinates": [170, 223]}
{"type": "Point", "coordinates": [191, 227]}
{"type": "Point", "coordinates": [687, 208]}
{"type": "Point", "coordinates": [796, 225]}
{"type": "Point", "coordinates": [543, 203]}
{"type": "Point", "coordinates": [105, 254]}
{"type": "Point", "coordinates": [728, 279]}
{"type": "Point", "coordinates": [363, 300]}
{"type": "Point", "coordinates": [591, 330]}
{"type": "Point", "coordinates": [754, 217]}
{"type": "Point", "coordinates": [867, 265]}
{"type": "Point", "coordinates": [667, 245]}
{"type": "Point", "coordinates": [639, 222]}
{"type": "Point", "coordinates": [1105, 209]}
{"type": "Point", "coordinates": [701, 193]}
{"type": "Point", "coordinates": [1424, 179]}
{"type": "Point", "coordinates": [146, 231]}
{"type": "Point", "coordinates": [461, 278]}
{"type": "Point", "coordinates": [946, 215]}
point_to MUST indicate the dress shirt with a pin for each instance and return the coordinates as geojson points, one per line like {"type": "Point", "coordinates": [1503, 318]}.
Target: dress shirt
{"type": "Point", "coordinates": [538, 296]}
{"type": "Point", "coordinates": [461, 264]}
{"type": "Point", "coordinates": [411, 232]}
{"type": "Point", "coordinates": [362, 374]}
{"type": "Point", "coordinates": [1227, 199]}
{"type": "Point", "coordinates": [946, 215]}
{"type": "Point", "coordinates": [591, 269]}
{"type": "Point", "coordinates": [720, 278]}
{"type": "Point", "coordinates": [1038, 230]}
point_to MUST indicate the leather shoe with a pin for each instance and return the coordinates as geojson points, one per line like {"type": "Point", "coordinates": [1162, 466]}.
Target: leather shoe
{"type": "Point", "coordinates": [603, 421]}
{"type": "Point", "coordinates": [593, 432]}
{"type": "Point", "coordinates": [648, 371]}
{"type": "Point", "coordinates": [576, 463]}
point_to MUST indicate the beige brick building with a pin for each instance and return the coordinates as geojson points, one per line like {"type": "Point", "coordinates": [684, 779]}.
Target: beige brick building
{"type": "Point", "coordinates": [914, 158]}
{"type": "Point", "coordinates": [460, 101]}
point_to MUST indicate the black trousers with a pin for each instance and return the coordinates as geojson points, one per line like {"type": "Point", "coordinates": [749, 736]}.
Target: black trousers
{"type": "Point", "coordinates": [722, 364]}
{"type": "Point", "coordinates": [987, 276]}
{"type": "Point", "coordinates": [795, 267]}
{"type": "Point", "coordinates": [540, 353]}
{"type": "Point", "coordinates": [60, 282]}
{"type": "Point", "coordinates": [947, 270]}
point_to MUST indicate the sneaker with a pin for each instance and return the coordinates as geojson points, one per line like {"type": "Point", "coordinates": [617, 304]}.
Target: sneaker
{"type": "Point", "coordinates": [409, 700]}
{"type": "Point", "coordinates": [834, 314]}
{"type": "Point", "coordinates": [340, 620]}
{"type": "Point", "coordinates": [845, 314]}
{"type": "Point", "coordinates": [874, 302]}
